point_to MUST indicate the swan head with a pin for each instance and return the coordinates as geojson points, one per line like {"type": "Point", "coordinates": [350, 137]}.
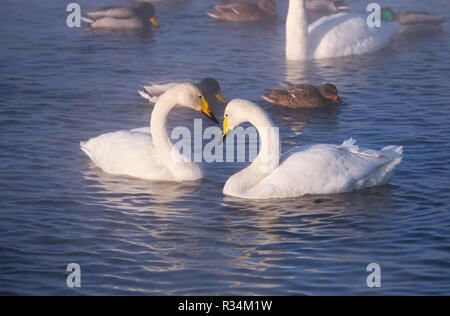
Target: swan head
{"type": "Point", "coordinates": [210, 87]}
{"type": "Point", "coordinates": [190, 96]}
{"type": "Point", "coordinates": [330, 92]}
{"type": "Point", "coordinates": [240, 111]}
{"type": "Point", "coordinates": [146, 12]}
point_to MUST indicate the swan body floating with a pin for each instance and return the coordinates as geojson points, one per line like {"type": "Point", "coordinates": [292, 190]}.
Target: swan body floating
{"type": "Point", "coordinates": [122, 18]}
{"type": "Point", "coordinates": [311, 169]}
{"type": "Point", "coordinates": [209, 87]}
{"type": "Point", "coordinates": [304, 96]}
{"type": "Point", "coordinates": [150, 155]}
{"type": "Point", "coordinates": [248, 11]}
{"type": "Point", "coordinates": [338, 35]}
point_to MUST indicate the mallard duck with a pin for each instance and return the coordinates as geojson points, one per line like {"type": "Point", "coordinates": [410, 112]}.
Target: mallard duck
{"type": "Point", "coordinates": [413, 22]}
{"type": "Point", "coordinates": [304, 96]}
{"type": "Point", "coordinates": [119, 17]}
{"type": "Point", "coordinates": [209, 87]}
{"type": "Point", "coordinates": [245, 11]}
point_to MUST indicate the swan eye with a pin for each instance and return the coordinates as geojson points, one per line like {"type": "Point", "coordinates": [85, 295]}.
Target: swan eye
{"type": "Point", "coordinates": [199, 96]}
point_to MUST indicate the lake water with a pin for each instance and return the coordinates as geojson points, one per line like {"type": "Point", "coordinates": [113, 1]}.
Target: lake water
{"type": "Point", "coordinates": [60, 86]}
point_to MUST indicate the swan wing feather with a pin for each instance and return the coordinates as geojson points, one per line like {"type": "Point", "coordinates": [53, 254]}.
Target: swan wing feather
{"type": "Point", "coordinates": [128, 153]}
{"type": "Point", "coordinates": [327, 169]}
{"type": "Point", "coordinates": [346, 34]}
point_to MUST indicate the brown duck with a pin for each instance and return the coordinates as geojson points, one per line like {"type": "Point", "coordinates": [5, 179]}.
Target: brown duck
{"type": "Point", "coordinates": [244, 11]}
{"type": "Point", "coordinates": [304, 96]}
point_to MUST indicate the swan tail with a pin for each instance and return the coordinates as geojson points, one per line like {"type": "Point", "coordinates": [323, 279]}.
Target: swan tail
{"type": "Point", "coordinates": [85, 148]}
{"type": "Point", "coordinates": [393, 151]}
{"type": "Point", "coordinates": [350, 145]}
{"type": "Point", "coordinates": [383, 173]}
{"type": "Point", "coordinates": [87, 20]}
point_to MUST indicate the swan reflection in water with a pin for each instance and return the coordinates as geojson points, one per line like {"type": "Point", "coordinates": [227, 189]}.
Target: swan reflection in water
{"type": "Point", "coordinates": [193, 226]}
{"type": "Point", "coordinates": [259, 225]}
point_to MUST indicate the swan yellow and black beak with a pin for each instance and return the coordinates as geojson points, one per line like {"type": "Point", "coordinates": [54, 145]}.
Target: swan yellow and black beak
{"type": "Point", "coordinates": [207, 111]}
{"type": "Point", "coordinates": [225, 129]}
{"type": "Point", "coordinates": [154, 21]}
{"type": "Point", "coordinates": [220, 97]}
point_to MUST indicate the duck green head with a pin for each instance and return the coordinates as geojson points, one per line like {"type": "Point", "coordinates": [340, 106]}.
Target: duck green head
{"type": "Point", "coordinates": [146, 12]}
{"type": "Point", "coordinates": [210, 87]}
{"type": "Point", "coordinates": [387, 15]}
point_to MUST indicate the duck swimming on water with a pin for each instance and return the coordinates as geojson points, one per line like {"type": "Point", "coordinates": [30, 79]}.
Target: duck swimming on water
{"type": "Point", "coordinates": [304, 96]}
{"type": "Point", "coordinates": [122, 18]}
{"type": "Point", "coordinates": [413, 22]}
{"type": "Point", "coordinates": [245, 11]}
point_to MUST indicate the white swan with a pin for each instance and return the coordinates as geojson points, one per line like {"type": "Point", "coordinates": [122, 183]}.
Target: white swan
{"type": "Point", "coordinates": [150, 155]}
{"type": "Point", "coordinates": [312, 169]}
{"type": "Point", "coordinates": [338, 35]}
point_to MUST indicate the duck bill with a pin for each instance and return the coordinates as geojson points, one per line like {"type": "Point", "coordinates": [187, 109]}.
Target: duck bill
{"type": "Point", "coordinates": [225, 129]}
{"type": "Point", "coordinates": [154, 21]}
{"type": "Point", "coordinates": [221, 98]}
{"type": "Point", "coordinates": [337, 100]}
{"type": "Point", "coordinates": [207, 111]}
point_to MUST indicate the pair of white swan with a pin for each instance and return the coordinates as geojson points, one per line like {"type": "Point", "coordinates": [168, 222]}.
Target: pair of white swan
{"type": "Point", "coordinates": [338, 35]}
{"type": "Point", "coordinates": [313, 169]}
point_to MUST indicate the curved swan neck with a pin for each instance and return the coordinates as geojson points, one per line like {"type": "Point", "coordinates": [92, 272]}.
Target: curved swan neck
{"type": "Point", "coordinates": [269, 154]}
{"type": "Point", "coordinates": [181, 167]}
{"type": "Point", "coordinates": [161, 140]}
{"type": "Point", "coordinates": [297, 31]}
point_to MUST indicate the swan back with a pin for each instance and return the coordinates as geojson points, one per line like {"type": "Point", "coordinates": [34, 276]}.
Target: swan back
{"type": "Point", "coordinates": [346, 34]}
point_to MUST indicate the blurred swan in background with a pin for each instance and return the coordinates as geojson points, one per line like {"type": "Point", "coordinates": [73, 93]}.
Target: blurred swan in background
{"type": "Point", "coordinates": [122, 18]}
{"type": "Point", "coordinates": [150, 155]}
{"type": "Point", "coordinates": [311, 169]}
{"type": "Point", "coordinates": [337, 35]}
